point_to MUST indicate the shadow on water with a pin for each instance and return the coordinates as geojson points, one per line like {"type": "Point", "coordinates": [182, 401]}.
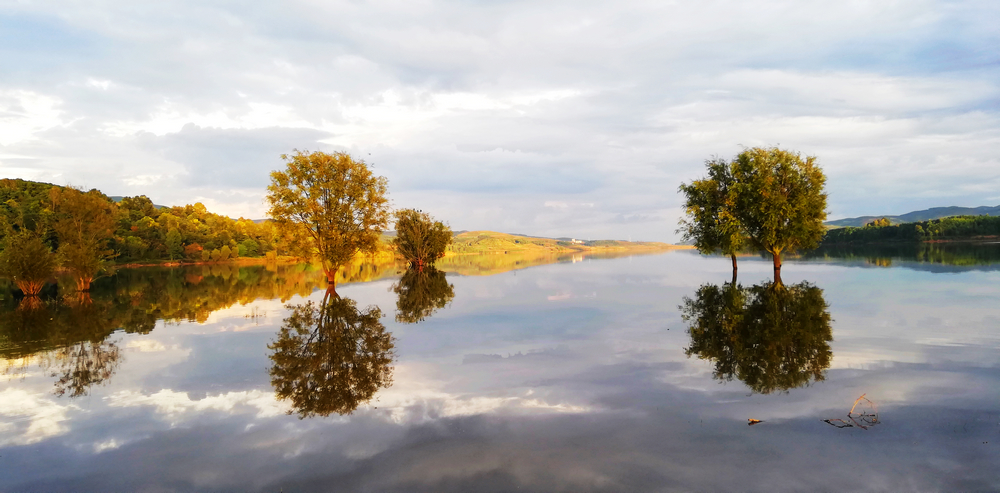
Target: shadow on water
{"type": "Point", "coordinates": [331, 358]}
{"type": "Point", "coordinates": [770, 336]}
{"type": "Point", "coordinates": [421, 293]}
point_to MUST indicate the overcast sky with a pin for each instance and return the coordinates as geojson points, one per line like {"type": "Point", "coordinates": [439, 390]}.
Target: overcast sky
{"type": "Point", "coordinates": [561, 118]}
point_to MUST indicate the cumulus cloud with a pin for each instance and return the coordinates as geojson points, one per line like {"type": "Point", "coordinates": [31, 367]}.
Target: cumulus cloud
{"type": "Point", "coordinates": [480, 113]}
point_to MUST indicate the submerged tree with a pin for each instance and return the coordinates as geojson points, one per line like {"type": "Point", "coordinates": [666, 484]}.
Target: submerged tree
{"type": "Point", "coordinates": [711, 222]}
{"type": "Point", "coordinates": [420, 239]}
{"type": "Point", "coordinates": [779, 201]}
{"type": "Point", "coordinates": [421, 293]}
{"type": "Point", "coordinates": [331, 358]}
{"type": "Point", "coordinates": [84, 224]}
{"type": "Point", "coordinates": [334, 201]}
{"type": "Point", "coordinates": [771, 337]}
{"type": "Point", "coordinates": [27, 261]}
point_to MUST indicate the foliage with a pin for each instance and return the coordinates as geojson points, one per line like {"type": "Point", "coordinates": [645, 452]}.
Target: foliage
{"type": "Point", "coordinates": [84, 224]}
{"type": "Point", "coordinates": [335, 202]}
{"type": "Point", "coordinates": [27, 261]}
{"type": "Point", "coordinates": [770, 336]}
{"type": "Point", "coordinates": [331, 358]}
{"type": "Point", "coordinates": [955, 227]}
{"type": "Point", "coordinates": [23, 205]}
{"type": "Point", "coordinates": [712, 224]}
{"type": "Point", "coordinates": [420, 239]}
{"type": "Point", "coordinates": [877, 223]}
{"type": "Point", "coordinates": [779, 200]}
{"type": "Point", "coordinates": [421, 293]}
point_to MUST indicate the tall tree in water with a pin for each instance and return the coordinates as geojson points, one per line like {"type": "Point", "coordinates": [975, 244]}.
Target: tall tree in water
{"type": "Point", "coordinates": [711, 222]}
{"type": "Point", "coordinates": [779, 200]}
{"type": "Point", "coordinates": [420, 239]}
{"type": "Point", "coordinates": [84, 223]}
{"type": "Point", "coordinates": [337, 201]}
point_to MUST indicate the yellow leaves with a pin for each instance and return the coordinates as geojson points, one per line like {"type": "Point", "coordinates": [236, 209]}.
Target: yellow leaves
{"type": "Point", "coordinates": [339, 201]}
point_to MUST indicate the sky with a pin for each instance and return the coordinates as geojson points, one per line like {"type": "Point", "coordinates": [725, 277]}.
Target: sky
{"type": "Point", "coordinates": [550, 118]}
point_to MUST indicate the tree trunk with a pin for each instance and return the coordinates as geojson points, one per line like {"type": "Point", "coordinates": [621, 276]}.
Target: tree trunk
{"type": "Point", "coordinates": [83, 283]}
{"type": "Point", "coordinates": [777, 266]}
{"type": "Point", "coordinates": [733, 255]}
{"type": "Point", "coordinates": [331, 276]}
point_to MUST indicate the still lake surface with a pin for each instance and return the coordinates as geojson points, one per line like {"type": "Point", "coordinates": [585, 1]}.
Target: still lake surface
{"type": "Point", "coordinates": [626, 374]}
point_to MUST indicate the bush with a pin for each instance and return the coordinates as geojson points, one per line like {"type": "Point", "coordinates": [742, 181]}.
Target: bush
{"type": "Point", "coordinates": [27, 261]}
{"type": "Point", "coordinates": [420, 239]}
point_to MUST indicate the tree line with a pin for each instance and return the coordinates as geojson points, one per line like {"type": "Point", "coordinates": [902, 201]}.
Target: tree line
{"type": "Point", "coordinates": [327, 207]}
{"type": "Point", "coordinates": [955, 227]}
{"type": "Point", "coordinates": [44, 227]}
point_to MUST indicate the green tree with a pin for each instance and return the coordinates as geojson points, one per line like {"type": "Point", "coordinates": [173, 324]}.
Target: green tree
{"type": "Point", "coordinates": [84, 224]}
{"type": "Point", "coordinates": [779, 201]}
{"type": "Point", "coordinates": [175, 247]}
{"type": "Point", "coordinates": [331, 358]}
{"type": "Point", "coordinates": [769, 336]}
{"type": "Point", "coordinates": [334, 201]}
{"type": "Point", "coordinates": [27, 261]}
{"type": "Point", "coordinates": [420, 239]}
{"type": "Point", "coordinates": [711, 222]}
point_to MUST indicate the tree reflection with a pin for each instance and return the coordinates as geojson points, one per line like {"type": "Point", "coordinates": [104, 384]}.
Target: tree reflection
{"type": "Point", "coordinates": [331, 358]}
{"type": "Point", "coordinates": [770, 336]}
{"type": "Point", "coordinates": [69, 340]}
{"type": "Point", "coordinates": [421, 292]}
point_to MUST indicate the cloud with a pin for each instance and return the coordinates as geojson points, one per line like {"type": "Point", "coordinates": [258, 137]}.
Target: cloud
{"type": "Point", "coordinates": [483, 111]}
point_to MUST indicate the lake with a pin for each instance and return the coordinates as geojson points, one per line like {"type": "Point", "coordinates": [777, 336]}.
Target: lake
{"type": "Point", "coordinates": [868, 370]}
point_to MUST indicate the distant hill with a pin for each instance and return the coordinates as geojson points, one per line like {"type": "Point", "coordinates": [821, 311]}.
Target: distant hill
{"type": "Point", "coordinates": [924, 215]}
{"type": "Point", "coordinates": [492, 242]}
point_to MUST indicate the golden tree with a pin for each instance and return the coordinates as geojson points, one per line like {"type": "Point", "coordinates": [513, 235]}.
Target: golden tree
{"type": "Point", "coordinates": [420, 239]}
{"type": "Point", "coordinates": [338, 203]}
{"type": "Point", "coordinates": [27, 261]}
{"type": "Point", "coordinates": [84, 223]}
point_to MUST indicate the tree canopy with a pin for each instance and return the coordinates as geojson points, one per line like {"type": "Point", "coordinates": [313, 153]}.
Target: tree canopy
{"type": "Point", "coordinates": [766, 198]}
{"type": "Point", "coordinates": [420, 239]}
{"type": "Point", "coordinates": [333, 201]}
{"type": "Point", "coordinates": [84, 224]}
{"type": "Point", "coordinates": [780, 200]}
{"type": "Point", "coordinates": [712, 224]}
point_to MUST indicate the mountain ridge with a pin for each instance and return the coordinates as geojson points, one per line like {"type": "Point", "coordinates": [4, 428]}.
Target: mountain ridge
{"type": "Point", "coordinates": [921, 215]}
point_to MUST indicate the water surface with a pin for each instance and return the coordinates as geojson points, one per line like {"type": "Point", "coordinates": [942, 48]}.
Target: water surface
{"type": "Point", "coordinates": [627, 374]}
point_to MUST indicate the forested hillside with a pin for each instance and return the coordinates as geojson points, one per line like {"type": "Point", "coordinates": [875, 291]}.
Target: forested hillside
{"type": "Point", "coordinates": [924, 215]}
{"type": "Point", "coordinates": [950, 228]}
{"type": "Point", "coordinates": [136, 229]}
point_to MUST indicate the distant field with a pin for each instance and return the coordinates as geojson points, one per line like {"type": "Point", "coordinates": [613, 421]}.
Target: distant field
{"type": "Point", "coordinates": [485, 242]}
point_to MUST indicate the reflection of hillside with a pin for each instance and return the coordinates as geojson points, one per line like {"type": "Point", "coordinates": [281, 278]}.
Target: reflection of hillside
{"type": "Point", "coordinates": [491, 242]}
{"type": "Point", "coordinates": [769, 336]}
{"type": "Point", "coordinates": [70, 341]}
{"type": "Point", "coordinates": [489, 264]}
{"type": "Point", "coordinates": [958, 254]}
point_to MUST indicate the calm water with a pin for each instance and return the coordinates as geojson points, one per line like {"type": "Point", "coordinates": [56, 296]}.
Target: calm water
{"type": "Point", "coordinates": [627, 374]}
